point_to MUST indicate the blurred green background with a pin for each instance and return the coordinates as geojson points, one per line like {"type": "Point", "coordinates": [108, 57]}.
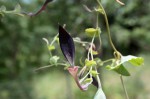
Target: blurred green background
{"type": "Point", "coordinates": [22, 49]}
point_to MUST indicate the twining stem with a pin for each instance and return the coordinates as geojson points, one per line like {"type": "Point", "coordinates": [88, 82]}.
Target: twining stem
{"type": "Point", "coordinates": [97, 20]}
{"type": "Point", "coordinates": [54, 39]}
{"type": "Point", "coordinates": [125, 91]}
{"type": "Point", "coordinates": [98, 79]}
{"type": "Point", "coordinates": [90, 49]}
{"type": "Point", "coordinates": [81, 42]}
{"type": "Point", "coordinates": [107, 26]}
{"type": "Point", "coordinates": [107, 60]}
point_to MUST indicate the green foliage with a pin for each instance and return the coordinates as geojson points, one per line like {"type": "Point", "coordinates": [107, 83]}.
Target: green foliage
{"type": "Point", "coordinates": [16, 11]}
{"type": "Point", "coordinates": [90, 63]}
{"type": "Point", "coordinates": [120, 69]}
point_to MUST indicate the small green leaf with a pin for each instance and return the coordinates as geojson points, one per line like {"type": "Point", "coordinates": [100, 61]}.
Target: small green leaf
{"type": "Point", "coordinates": [94, 73]}
{"type": "Point", "coordinates": [100, 94]}
{"type": "Point", "coordinates": [94, 52]}
{"type": "Point", "coordinates": [54, 60]}
{"type": "Point", "coordinates": [99, 10]}
{"type": "Point", "coordinates": [90, 63]}
{"type": "Point", "coordinates": [57, 39]}
{"type": "Point", "coordinates": [88, 80]}
{"type": "Point", "coordinates": [119, 69]}
{"type": "Point", "coordinates": [91, 32]}
{"type": "Point", "coordinates": [16, 11]}
{"type": "Point", "coordinates": [51, 47]}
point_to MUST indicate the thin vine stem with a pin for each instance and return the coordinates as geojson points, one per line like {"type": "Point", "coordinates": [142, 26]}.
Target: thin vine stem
{"type": "Point", "coordinates": [107, 26]}
{"type": "Point", "coordinates": [97, 26]}
{"type": "Point", "coordinates": [107, 60]}
{"type": "Point", "coordinates": [90, 49]}
{"type": "Point", "coordinates": [124, 88]}
{"type": "Point", "coordinates": [54, 39]}
{"type": "Point", "coordinates": [100, 42]}
{"type": "Point", "coordinates": [43, 67]}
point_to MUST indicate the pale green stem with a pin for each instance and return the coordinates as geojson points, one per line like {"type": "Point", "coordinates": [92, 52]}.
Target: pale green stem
{"type": "Point", "coordinates": [97, 20]}
{"type": "Point", "coordinates": [54, 39]}
{"type": "Point", "coordinates": [98, 79]}
{"type": "Point", "coordinates": [48, 66]}
{"type": "Point", "coordinates": [91, 46]}
{"type": "Point", "coordinates": [125, 91]}
{"type": "Point", "coordinates": [107, 60]}
{"type": "Point", "coordinates": [81, 42]}
{"type": "Point", "coordinates": [107, 26]}
{"type": "Point", "coordinates": [86, 75]}
{"type": "Point", "coordinates": [90, 49]}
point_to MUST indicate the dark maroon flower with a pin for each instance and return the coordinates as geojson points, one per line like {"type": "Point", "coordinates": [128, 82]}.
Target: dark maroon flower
{"type": "Point", "coordinates": [67, 45]}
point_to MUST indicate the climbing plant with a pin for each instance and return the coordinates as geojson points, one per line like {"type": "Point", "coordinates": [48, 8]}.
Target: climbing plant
{"type": "Point", "coordinates": [87, 72]}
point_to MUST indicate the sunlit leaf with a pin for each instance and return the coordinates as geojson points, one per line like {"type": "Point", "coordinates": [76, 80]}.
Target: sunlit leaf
{"type": "Point", "coordinates": [100, 94]}
{"type": "Point", "coordinates": [16, 11]}
{"type": "Point", "coordinates": [94, 52]}
{"type": "Point", "coordinates": [120, 68]}
{"type": "Point", "coordinates": [91, 32]}
{"type": "Point", "coordinates": [136, 61]}
{"type": "Point", "coordinates": [94, 73]}
{"type": "Point", "coordinates": [100, 10]}
{"type": "Point", "coordinates": [67, 45]}
{"type": "Point", "coordinates": [87, 80]}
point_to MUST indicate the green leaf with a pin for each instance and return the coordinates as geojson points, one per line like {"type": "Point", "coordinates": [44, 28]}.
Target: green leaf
{"type": "Point", "coordinates": [90, 63]}
{"type": "Point", "coordinates": [136, 61]}
{"type": "Point", "coordinates": [91, 32]}
{"type": "Point", "coordinates": [54, 60]}
{"type": "Point", "coordinates": [16, 11]}
{"type": "Point", "coordinates": [100, 94]}
{"type": "Point", "coordinates": [99, 10]}
{"type": "Point", "coordinates": [88, 80]}
{"type": "Point", "coordinates": [94, 73]}
{"type": "Point", "coordinates": [94, 52]}
{"type": "Point", "coordinates": [120, 69]}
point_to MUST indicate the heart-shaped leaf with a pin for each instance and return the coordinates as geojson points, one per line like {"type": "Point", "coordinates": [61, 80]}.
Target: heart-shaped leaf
{"type": "Point", "coordinates": [67, 45]}
{"type": "Point", "coordinates": [120, 68]}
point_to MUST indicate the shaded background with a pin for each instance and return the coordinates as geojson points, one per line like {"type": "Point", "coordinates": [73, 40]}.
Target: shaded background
{"type": "Point", "coordinates": [22, 49]}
